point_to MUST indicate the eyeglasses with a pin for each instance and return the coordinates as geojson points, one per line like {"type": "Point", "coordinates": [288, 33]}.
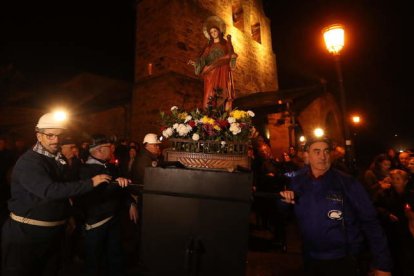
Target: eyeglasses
{"type": "Point", "coordinates": [51, 136]}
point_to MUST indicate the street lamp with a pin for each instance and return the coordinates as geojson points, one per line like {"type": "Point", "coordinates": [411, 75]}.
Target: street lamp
{"type": "Point", "coordinates": [334, 36]}
{"type": "Point", "coordinates": [356, 120]}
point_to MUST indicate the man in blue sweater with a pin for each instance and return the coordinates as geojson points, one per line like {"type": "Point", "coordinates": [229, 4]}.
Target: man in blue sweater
{"type": "Point", "coordinates": [335, 216]}
{"type": "Point", "coordinates": [39, 204]}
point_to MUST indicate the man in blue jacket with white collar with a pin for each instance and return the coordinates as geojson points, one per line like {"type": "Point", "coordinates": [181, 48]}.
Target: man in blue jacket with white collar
{"type": "Point", "coordinates": [335, 216]}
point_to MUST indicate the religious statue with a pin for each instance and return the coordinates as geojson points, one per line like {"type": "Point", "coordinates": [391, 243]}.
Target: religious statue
{"type": "Point", "coordinates": [216, 61]}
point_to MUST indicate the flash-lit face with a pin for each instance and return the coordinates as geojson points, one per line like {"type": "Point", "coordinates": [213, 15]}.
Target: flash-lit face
{"type": "Point", "coordinates": [403, 157]}
{"type": "Point", "coordinates": [154, 149]}
{"type": "Point", "coordinates": [319, 158]}
{"type": "Point", "coordinates": [49, 139]}
{"type": "Point", "coordinates": [214, 33]}
{"type": "Point", "coordinates": [105, 151]}
{"type": "Point", "coordinates": [385, 165]}
{"type": "Point", "coordinates": [411, 165]}
{"type": "Point", "coordinates": [398, 182]}
{"type": "Point", "coordinates": [67, 150]}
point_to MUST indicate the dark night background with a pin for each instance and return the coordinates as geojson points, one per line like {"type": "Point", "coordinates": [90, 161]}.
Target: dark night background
{"type": "Point", "coordinates": [49, 42]}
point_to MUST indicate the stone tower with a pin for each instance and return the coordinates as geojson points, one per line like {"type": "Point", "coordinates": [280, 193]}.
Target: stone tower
{"type": "Point", "coordinates": [169, 33]}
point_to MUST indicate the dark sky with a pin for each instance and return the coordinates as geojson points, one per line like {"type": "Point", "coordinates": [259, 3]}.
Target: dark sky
{"type": "Point", "coordinates": [50, 41]}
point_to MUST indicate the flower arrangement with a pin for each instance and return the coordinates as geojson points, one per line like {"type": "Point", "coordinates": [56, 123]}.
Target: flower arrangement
{"type": "Point", "coordinates": [212, 124]}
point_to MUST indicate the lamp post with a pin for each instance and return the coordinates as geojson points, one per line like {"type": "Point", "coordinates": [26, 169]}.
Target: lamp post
{"type": "Point", "coordinates": [334, 36]}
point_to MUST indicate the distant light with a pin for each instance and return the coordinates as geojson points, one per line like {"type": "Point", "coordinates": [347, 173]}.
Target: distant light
{"type": "Point", "coordinates": [356, 119]}
{"type": "Point", "coordinates": [302, 139]}
{"type": "Point", "coordinates": [401, 150]}
{"type": "Point", "coordinates": [267, 133]}
{"type": "Point", "coordinates": [60, 115]}
{"type": "Point", "coordinates": [318, 132]}
{"type": "Point", "coordinates": [334, 37]}
{"type": "Point", "coordinates": [396, 135]}
{"type": "Point", "coordinates": [279, 102]}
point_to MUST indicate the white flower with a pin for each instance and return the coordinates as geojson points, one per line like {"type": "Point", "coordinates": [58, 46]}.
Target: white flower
{"type": "Point", "coordinates": [167, 132]}
{"type": "Point", "coordinates": [196, 137]}
{"type": "Point", "coordinates": [174, 108]}
{"type": "Point", "coordinates": [175, 126]}
{"type": "Point", "coordinates": [250, 113]}
{"type": "Point", "coordinates": [197, 122]}
{"type": "Point", "coordinates": [223, 143]}
{"type": "Point", "coordinates": [235, 128]}
{"type": "Point", "coordinates": [183, 129]}
{"type": "Point", "coordinates": [231, 120]}
{"type": "Point", "coordinates": [187, 118]}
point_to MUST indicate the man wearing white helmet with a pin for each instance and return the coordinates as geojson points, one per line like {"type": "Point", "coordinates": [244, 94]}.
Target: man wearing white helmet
{"type": "Point", "coordinates": [39, 204]}
{"type": "Point", "coordinates": [149, 154]}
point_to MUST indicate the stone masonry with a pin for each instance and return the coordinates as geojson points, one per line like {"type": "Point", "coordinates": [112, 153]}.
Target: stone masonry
{"type": "Point", "coordinates": [169, 33]}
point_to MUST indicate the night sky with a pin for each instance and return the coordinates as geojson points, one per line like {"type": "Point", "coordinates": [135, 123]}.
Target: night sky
{"type": "Point", "coordinates": [49, 42]}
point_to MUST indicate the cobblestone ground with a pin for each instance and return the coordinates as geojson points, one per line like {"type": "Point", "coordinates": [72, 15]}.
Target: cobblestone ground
{"type": "Point", "coordinates": [267, 259]}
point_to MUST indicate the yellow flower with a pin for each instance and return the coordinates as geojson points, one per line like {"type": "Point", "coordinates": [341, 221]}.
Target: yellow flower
{"type": "Point", "coordinates": [216, 127]}
{"type": "Point", "coordinates": [182, 115]}
{"type": "Point", "coordinates": [207, 120]}
{"type": "Point", "coordinates": [238, 114]}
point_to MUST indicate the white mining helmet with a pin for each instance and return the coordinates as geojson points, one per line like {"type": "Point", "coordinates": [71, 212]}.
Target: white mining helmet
{"type": "Point", "coordinates": [151, 138]}
{"type": "Point", "coordinates": [52, 120]}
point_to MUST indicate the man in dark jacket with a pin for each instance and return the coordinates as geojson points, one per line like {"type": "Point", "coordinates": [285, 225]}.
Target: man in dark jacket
{"type": "Point", "coordinates": [39, 204]}
{"type": "Point", "coordinates": [334, 213]}
{"type": "Point", "coordinates": [100, 209]}
{"type": "Point", "coordinates": [146, 157]}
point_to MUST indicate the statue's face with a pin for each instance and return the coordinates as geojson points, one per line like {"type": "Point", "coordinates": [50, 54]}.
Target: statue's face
{"type": "Point", "coordinates": [214, 33]}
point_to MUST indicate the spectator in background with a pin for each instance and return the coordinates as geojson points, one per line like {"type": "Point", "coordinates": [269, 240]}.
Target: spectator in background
{"type": "Point", "coordinates": [391, 205]}
{"type": "Point", "coordinates": [377, 176]}
{"type": "Point", "coordinates": [20, 147]}
{"type": "Point", "coordinates": [338, 162]}
{"type": "Point", "coordinates": [122, 154]}
{"type": "Point", "coordinates": [393, 156]}
{"type": "Point", "coordinates": [403, 158]}
{"type": "Point", "coordinates": [73, 163]}
{"type": "Point", "coordinates": [411, 173]}
{"type": "Point", "coordinates": [84, 151]}
{"type": "Point", "coordinates": [295, 158]}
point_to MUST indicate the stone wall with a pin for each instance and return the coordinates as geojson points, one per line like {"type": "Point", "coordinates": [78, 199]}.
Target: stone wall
{"type": "Point", "coordinates": [323, 112]}
{"type": "Point", "coordinates": [169, 33]}
{"type": "Point", "coordinates": [159, 93]}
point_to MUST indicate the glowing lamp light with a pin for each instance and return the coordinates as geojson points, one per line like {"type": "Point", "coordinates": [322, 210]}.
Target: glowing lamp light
{"type": "Point", "coordinates": [267, 133]}
{"type": "Point", "coordinates": [60, 115]}
{"type": "Point", "coordinates": [356, 119]}
{"type": "Point", "coordinates": [318, 132]}
{"type": "Point", "coordinates": [302, 139]}
{"type": "Point", "coordinates": [334, 37]}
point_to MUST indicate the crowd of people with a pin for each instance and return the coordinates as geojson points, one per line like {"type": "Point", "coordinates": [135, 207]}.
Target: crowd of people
{"type": "Point", "coordinates": [64, 201]}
